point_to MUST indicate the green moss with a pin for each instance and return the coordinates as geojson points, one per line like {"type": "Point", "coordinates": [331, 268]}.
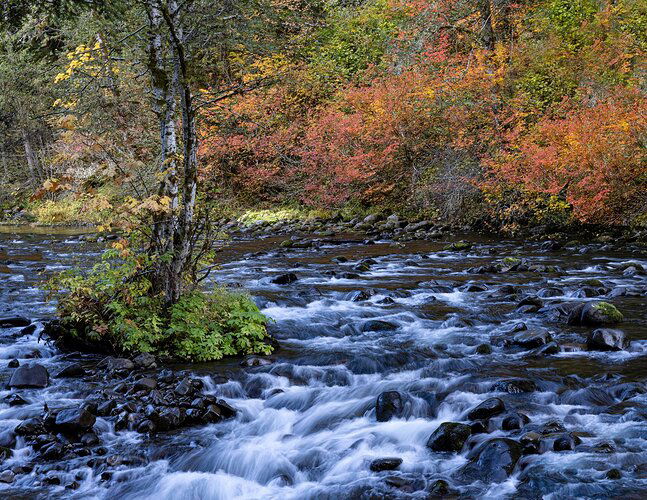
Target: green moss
{"type": "Point", "coordinates": [593, 282]}
{"type": "Point", "coordinates": [511, 261]}
{"type": "Point", "coordinates": [458, 246]}
{"type": "Point", "coordinates": [609, 311]}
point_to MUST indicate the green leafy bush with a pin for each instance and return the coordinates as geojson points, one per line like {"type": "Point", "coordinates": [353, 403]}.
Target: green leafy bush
{"type": "Point", "coordinates": [112, 308]}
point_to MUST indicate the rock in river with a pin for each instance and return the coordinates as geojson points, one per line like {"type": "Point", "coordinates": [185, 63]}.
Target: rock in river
{"type": "Point", "coordinates": [606, 339]}
{"type": "Point", "coordinates": [488, 408]}
{"type": "Point", "coordinates": [74, 420]}
{"type": "Point", "coordinates": [29, 375]}
{"type": "Point", "coordinates": [388, 405]}
{"type": "Point", "coordinates": [389, 463]}
{"type": "Point", "coordinates": [449, 436]}
{"type": "Point", "coordinates": [493, 461]}
{"type": "Point", "coordinates": [595, 314]}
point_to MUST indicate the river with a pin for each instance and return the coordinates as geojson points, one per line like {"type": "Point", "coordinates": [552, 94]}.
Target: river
{"type": "Point", "coordinates": [414, 321]}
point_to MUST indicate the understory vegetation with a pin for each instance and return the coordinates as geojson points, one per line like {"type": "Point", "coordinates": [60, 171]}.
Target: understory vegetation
{"type": "Point", "coordinates": [111, 308]}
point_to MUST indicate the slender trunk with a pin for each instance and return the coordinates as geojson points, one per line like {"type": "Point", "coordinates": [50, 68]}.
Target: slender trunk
{"type": "Point", "coordinates": [487, 33]}
{"type": "Point", "coordinates": [503, 23]}
{"type": "Point", "coordinates": [31, 156]}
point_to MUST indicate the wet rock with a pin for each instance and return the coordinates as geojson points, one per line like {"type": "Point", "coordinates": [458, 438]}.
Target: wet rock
{"type": "Point", "coordinates": [459, 246]}
{"type": "Point", "coordinates": [515, 386]}
{"type": "Point", "coordinates": [184, 388]}
{"type": "Point", "coordinates": [71, 371]}
{"type": "Point", "coordinates": [74, 421]}
{"type": "Point", "coordinates": [530, 443]}
{"type": "Point", "coordinates": [4, 453]}
{"type": "Point", "coordinates": [389, 405]}
{"type": "Point", "coordinates": [376, 325]}
{"type": "Point", "coordinates": [551, 427]}
{"type": "Point", "coordinates": [566, 442]}
{"type": "Point", "coordinates": [15, 400]}
{"type": "Point", "coordinates": [604, 447]}
{"type": "Point", "coordinates": [52, 478]}
{"type": "Point", "coordinates": [613, 474]}
{"type": "Point", "coordinates": [550, 292]}
{"type": "Point", "coordinates": [531, 339]}
{"type": "Point", "coordinates": [544, 350]}
{"type": "Point", "coordinates": [381, 464]}
{"type": "Point", "coordinates": [439, 488]}
{"type": "Point", "coordinates": [90, 439]}
{"type": "Point", "coordinates": [226, 409]}
{"type": "Point", "coordinates": [28, 330]}
{"type": "Point", "coordinates": [514, 421]}
{"type": "Point", "coordinates": [14, 363]}
{"type": "Point", "coordinates": [606, 339]}
{"type": "Point", "coordinates": [595, 314]}
{"type": "Point", "coordinates": [29, 375]}
{"type": "Point", "coordinates": [30, 427]}
{"type": "Point", "coordinates": [53, 451]}
{"type": "Point", "coordinates": [7, 477]}
{"type": "Point", "coordinates": [361, 295]}
{"type": "Point", "coordinates": [105, 408]}
{"type": "Point", "coordinates": [493, 461]}
{"type": "Point", "coordinates": [255, 361]}
{"type": "Point", "coordinates": [487, 409]}
{"type": "Point", "coordinates": [449, 436]}
{"type": "Point", "coordinates": [14, 322]}
{"type": "Point", "coordinates": [480, 427]}
{"type": "Point", "coordinates": [145, 384]}
{"type": "Point", "coordinates": [285, 279]}
{"type": "Point", "coordinates": [145, 361]}
{"type": "Point", "coordinates": [116, 366]}
{"type": "Point", "coordinates": [168, 419]}
{"type": "Point", "coordinates": [484, 349]}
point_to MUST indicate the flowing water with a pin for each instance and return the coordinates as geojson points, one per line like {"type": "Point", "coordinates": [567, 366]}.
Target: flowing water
{"type": "Point", "coordinates": [306, 425]}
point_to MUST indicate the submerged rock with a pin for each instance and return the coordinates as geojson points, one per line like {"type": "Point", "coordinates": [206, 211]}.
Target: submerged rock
{"type": "Point", "coordinates": [14, 321]}
{"type": "Point", "coordinates": [381, 464]}
{"type": "Point", "coordinates": [449, 436]}
{"type": "Point", "coordinates": [515, 386]}
{"type": "Point", "coordinates": [285, 279]}
{"type": "Point", "coordinates": [29, 375]}
{"type": "Point", "coordinates": [493, 461]}
{"type": "Point", "coordinates": [74, 421]}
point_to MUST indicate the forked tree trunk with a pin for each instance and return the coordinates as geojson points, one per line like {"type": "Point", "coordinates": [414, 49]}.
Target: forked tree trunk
{"type": "Point", "coordinates": [173, 232]}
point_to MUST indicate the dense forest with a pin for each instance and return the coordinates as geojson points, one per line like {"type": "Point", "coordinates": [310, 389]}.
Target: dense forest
{"type": "Point", "coordinates": [492, 113]}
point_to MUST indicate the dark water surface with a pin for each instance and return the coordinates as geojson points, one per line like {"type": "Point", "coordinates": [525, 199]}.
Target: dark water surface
{"type": "Point", "coordinates": [307, 426]}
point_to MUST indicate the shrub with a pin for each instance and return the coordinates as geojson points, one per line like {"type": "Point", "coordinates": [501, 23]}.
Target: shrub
{"type": "Point", "coordinates": [112, 308]}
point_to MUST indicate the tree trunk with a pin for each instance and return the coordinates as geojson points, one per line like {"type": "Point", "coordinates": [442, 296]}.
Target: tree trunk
{"type": "Point", "coordinates": [487, 33]}
{"type": "Point", "coordinates": [31, 156]}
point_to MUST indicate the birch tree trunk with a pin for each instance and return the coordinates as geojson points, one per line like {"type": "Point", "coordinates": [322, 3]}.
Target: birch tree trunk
{"type": "Point", "coordinates": [30, 156]}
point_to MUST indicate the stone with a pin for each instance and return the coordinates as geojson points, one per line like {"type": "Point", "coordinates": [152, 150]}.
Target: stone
{"type": "Point", "coordinates": [514, 421]}
{"type": "Point", "coordinates": [71, 371]}
{"type": "Point", "coordinates": [146, 384]}
{"type": "Point", "coordinates": [606, 339]}
{"type": "Point", "coordinates": [487, 409]}
{"type": "Point", "coordinates": [7, 477]}
{"type": "Point", "coordinates": [145, 361]}
{"type": "Point", "coordinates": [531, 339]}
{"type": "Point", "coordinates": [285, 279]}
{"type": "Point", "coordinates": [255, 361]}
{"type": "Point", "coordinates": [613, 474]}
{"type": "Point", "coordinates": [30, 375]}
{"type": "Point", "coordinates": [389, 405]}
{"type": "Point", "coordinates": [74, 420]}
{"type": "Point", "coordinates": [16, 400]}
{"type": "Point", "coordinates": [14, 363]}
{"type": "Point", "coordinates": [551, 427]}
{"type": "Point", "coordinates": [531, 443]}
{"type": "Point", "coordinates": [449, 436]}
{"type": "Point", "coordinates": [595, 314]}
{"type": "Point", "coordinates": [515, 386]}
{"type": "Point", "coordinates": [14, 322]}
{"type": "Point", "coordinates": [116, 365]}
{"type": "Point", "coordinates": [566, 442]}
{"type": "Point", "coordinates": [484, 349]}
{"type": "Point", "coordinates": [30, 427]}
{"type": "Point", "coordinates": [381, 464]}
{"type": "Point", "coordinates": [28, 330]}
{"type": "Point", "coordinates": [376, 325]}
{"type": "Point", "coordinates": [493, 461]}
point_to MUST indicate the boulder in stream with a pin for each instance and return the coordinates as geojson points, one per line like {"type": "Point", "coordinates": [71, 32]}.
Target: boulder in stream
{"type": "Point", "coordinates": [389, 463]}
{"type": "Point", "coordinates": [14, 322]}
{"type": "Point", "coordinates": [389, 404]}
{"type": "Point", "coordinates": [31, 375]}
{"type": "Point", "coordinates": [487, 409]}
{"type": "Point", "coordinates": [449, 436]}
{"type": "Point", "coordinates": [595, 314]}
{"type": "Point", "coordinates": [493, 461]}
{"type": "Point", "coordinates": [74, 421]}
{"type": "Point", "coordinates": [606, 339]}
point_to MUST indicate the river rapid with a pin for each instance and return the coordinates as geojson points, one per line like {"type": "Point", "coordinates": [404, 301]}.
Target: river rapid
{"type": "Point", "coordinates": [380, 344]}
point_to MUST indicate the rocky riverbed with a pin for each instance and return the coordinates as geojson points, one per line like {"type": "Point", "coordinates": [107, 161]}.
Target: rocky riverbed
{"type": "Point", "coordinates": [413, 363]}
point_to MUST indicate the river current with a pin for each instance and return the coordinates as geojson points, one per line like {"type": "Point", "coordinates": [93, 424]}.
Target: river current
{"type": "Point", "coordinates": [362, 319]}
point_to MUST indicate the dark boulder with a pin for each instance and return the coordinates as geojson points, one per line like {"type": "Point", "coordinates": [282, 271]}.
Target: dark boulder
{"type": "Point", "coordinates": [484, 349]}
{"type": "Point", "coordinates": [606, 339]}
{"type": "Point", "coordinates": [449, 436]}
{"type": "Point", "coordinates": [14, 322]}
{"type": "Point", "coordinates": [71, 371]}
{"type": "Point", "coordinates": [389, 404]}
{"type": "Point", "coordinates": [285, 279]}
{"type": "Point", "coordinates": [376, 325]}
{"type": "Point", "coordinates": [145, 361]}
{"type": "Point", "coordinates": [487, 409]}
{"type": "Point", "coordinates": [116, 366]}
{"type": "Point", "coordinates": [544, 350]}
{"type": "Point", "coordinates": [595, 314]}
{"type": "Point", "coordinates": [74, 421]}
{"type": "Point", "coordinates": [28, 330]}
{"type": "Point", "coordinates": [145, 384]}
{"type": "Point", "coordinates": [29, 375]}
{"type": "Point", "coordinates": [530, 443]}
{"type": "Point", "coordinates": [14, 363]}
{"type": "Point", "coordinates": [515, 386]}
{"type": "Point", "coordinates": [493, 461]}
{"type": "Point", "coordinates": [566, 442]}
{"type": "Point", "coordinates": [531, 339]}
{"type": "Point", "coordinates": [30, 427]}
{"type": "Point", "coordinates": [514, 421]}
{"type": "Point", "coordinates": [551, 427]}
{"type": "Point", "coordinates": [381, 464]}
